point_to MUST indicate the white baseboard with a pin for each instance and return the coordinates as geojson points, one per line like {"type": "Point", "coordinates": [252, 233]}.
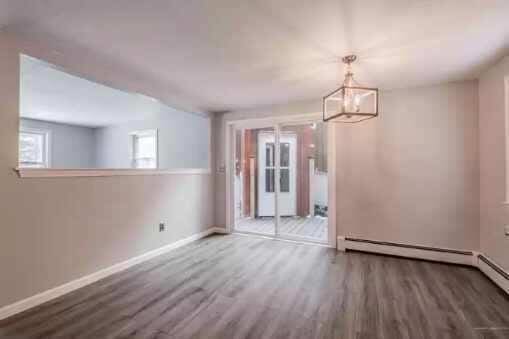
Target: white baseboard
{"type": "Point", "coordinates": [58, 291]}
{"type": "Point", "coordinates": [493, 271]}
{"type": "Point", "coordinates": [408, 251]}
{"type": "Point", "coordinates": [341, 244]}
{"type": "Point", "coordinates": [219, 230]}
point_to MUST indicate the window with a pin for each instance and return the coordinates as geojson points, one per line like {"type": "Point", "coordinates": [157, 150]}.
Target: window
{"type": "Point", "coordinates": [144, 149]}
{"type": "Point", "coordinates": [284, 167]}
{"type": "Point", "coordinates": [33, 148]}
{"type": "Point", "coordinates": [270, 167]}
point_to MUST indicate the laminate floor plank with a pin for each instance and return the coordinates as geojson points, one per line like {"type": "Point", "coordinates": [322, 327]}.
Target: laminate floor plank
{"type": "Point", "coordinates": [247, 287]}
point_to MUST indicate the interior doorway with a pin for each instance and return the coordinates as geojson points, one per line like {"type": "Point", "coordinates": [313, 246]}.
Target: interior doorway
{"type": "Point", "coordinates": [281, 180]}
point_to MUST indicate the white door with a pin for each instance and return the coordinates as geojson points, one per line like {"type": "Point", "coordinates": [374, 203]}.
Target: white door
{"type": "Point", "coordinates": [267, 173]}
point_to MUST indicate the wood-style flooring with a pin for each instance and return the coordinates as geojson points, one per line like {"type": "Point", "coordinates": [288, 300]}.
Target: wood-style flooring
{"type": "Point", "coordinates": [237, 286]}
{"type": "Point", "coordinates": [306, 228]}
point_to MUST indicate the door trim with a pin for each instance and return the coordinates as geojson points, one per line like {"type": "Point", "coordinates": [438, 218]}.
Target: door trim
{"type": "Point", "coordinates": [229, 149]}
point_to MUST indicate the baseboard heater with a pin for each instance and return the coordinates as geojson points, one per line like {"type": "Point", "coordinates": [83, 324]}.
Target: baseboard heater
{"type": "Point", "coordinates": [494, 266]}
{"type": "Point", "coordinates": [493, 271]}
{"type": "Point", "coordinates": [486, 265]}
{"type": "Point", "coordinates": [410, 251]}
{"type": "Point", "coordinates": [416, 247]}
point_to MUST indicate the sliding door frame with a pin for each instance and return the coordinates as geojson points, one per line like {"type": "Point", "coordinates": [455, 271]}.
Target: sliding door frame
{"type": "Point", "coordinates": [276, 123]}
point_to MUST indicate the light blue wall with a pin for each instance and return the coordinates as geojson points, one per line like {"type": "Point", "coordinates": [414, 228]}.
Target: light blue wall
{"type": "Point", "coordinates": [70, 146]}
{"type": "Point", "coordinates": [184, 140]}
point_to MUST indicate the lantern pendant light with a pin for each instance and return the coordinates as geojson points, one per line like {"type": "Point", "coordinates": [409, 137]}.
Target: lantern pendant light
{"type": "Point", "coordinates": [351, 102]}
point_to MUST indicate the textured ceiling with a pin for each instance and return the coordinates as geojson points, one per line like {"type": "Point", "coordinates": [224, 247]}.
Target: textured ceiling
{"type": "Point", "coordinates": [230, 54]}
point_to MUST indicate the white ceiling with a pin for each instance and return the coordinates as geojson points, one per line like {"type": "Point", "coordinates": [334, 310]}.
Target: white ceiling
{"type": "Point", "coordinates": [230, 54]}
{"type": "Point", "coordinates": [50, 94]}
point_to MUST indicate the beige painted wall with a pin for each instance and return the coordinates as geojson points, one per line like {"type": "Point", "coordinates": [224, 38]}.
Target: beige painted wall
{"type": "Point", "coordinates": [494, 214]}
{"type": "Point", "coordinates": [56, 230]}
{"type": "Point", "coordinates": [410, 176]}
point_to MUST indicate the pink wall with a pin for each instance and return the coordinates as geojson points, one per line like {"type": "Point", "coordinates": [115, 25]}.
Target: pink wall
{"type": "Point", "coordinates": [494, 214]}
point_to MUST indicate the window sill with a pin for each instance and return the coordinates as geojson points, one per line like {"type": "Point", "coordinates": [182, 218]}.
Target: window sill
{"type": "Point", "coordinates": [505, 202]}
{"type": "Point", "coordinates": [66, 172]}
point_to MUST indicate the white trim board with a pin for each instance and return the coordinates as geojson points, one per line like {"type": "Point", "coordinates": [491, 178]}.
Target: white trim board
{"type": "Point", "coordinates": [506, 122]}
{"type": "Point", "coordinates": [61, 290]}
{"type": "Point", "coordinates": [90, 172]}
{"type": "Point", "coordinates": [219, 230]}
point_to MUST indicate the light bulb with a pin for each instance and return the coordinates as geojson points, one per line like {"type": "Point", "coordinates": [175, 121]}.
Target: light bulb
{"type": "Point", "coordinates": [357, 103]}
{"type": "Point", "coordinates": [357, 100]}
{"type": "Point", "coordinates": [347, 100]}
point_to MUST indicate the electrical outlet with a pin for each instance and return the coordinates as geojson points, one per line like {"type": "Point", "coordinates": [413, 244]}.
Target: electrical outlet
{"type": "Point", "coordinates": [162, 227]}
{"type": "Point", "coordinates": [506, 231]}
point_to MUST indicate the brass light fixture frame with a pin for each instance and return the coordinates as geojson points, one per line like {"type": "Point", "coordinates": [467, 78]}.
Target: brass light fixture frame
{"type": "Point", "coordinates": [347, 84]}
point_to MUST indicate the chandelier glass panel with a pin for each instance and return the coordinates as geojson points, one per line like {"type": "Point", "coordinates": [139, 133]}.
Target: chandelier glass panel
{"type": "Point", "coordinates": [351, 102]}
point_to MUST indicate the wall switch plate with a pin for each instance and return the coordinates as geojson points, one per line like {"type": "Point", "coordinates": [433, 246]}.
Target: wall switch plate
{"type": "Point", "coordinates": [506, 230]}
{"type": "Point", "coordinates": [162, 227]}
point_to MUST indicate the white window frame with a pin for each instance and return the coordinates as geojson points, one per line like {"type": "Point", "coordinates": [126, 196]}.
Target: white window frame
{"type": "Point", "coordinates": [506, 100]}
{"type": "Point", "coordinates": [46, 148]}
{"type": "Point", "coordinates": [136, 134]}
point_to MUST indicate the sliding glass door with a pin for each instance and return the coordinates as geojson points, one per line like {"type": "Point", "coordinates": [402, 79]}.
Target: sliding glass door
{"type": "Point", "coordinates": [303, 190]}
{"type": "Point", "coordinates": [255, 181]}
{"type": "Point", "coordinates": [280, 181]}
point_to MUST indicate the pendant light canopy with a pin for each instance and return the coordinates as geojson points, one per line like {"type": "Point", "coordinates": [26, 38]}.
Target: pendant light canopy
{"type": "Point", "coordinates": [351, 102]}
